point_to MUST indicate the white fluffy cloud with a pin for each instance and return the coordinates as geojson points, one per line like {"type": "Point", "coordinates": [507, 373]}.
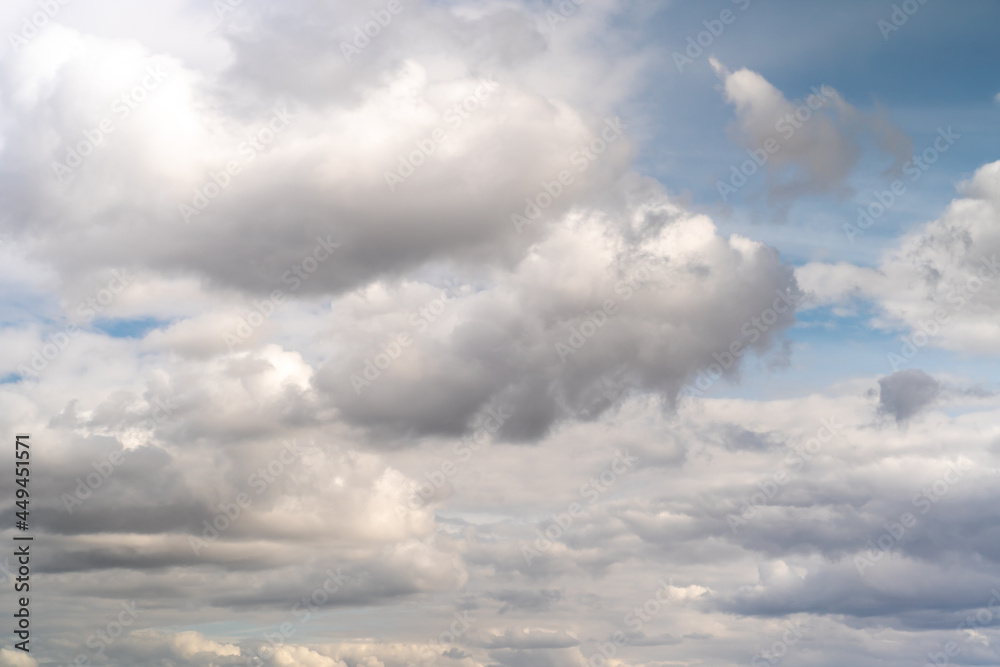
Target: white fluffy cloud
{"type": "Point", "coordinates": [941, 282]}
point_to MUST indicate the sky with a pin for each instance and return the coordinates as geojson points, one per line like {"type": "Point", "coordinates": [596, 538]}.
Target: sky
{"type": "Point", "coordinates": [428, 333]}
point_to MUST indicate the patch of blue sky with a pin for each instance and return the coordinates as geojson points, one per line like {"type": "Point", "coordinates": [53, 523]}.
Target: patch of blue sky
{"type": "Point", "coordinates": [20, 307]}
{"type": "Point", "coordinates": [833, 345]}
{"type": "Point", "coordinates": [129, 328]}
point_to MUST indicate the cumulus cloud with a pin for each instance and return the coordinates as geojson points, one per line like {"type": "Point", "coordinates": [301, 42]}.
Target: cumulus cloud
{"type": "Point", "coordinates": [174, 148]}
{"type": "Point", "coordinates": [941, 281]}
{"type": "Point", "coordinates": [10, 658]}
{"type": "Point", "coordinates": [610, 302]}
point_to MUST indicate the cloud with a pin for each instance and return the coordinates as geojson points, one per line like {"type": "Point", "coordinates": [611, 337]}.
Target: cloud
{"type": "Point", "coordinates": [537, 658]}
{"type": "Point", "coordinates": [813, 145]}
{"type": "Point", "coordinates": [636, 298]}
{"type": "Point", "coordinates": [905, 393]}
{"type": "Point", "coordinates": [526, 600]}
{"type": "Point", "coordinates": [9, 658]}
{"type": "Point", "coordinates": [193, 648]}
{"type": "Point", "coordinates": [941, 281]}
{"type": "Point", "coordinates": [530, 638]}
{"type": "Point", "coordinates": [664, 639]}
{"type": "Point", "coordinates": [242, 234]}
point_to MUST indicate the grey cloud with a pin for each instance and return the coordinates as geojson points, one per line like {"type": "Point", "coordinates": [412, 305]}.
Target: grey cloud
{"type": "Point", "coordinates": [516, 347]}
{"type": "Point", "coordinates": [641, 639]}
{"type": "Point", "coordinates": [906, 393]}
{"type": "Point", "coordinates": [532, 601]}
{"type": "Point", "coordinates": [815, 154]}
{"type": "Point", "coordinates": [838, 589]}
{"type": "Point", "coordinates": [535, 658]}
{"type": "Point", "coordinates": [530, 638]}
